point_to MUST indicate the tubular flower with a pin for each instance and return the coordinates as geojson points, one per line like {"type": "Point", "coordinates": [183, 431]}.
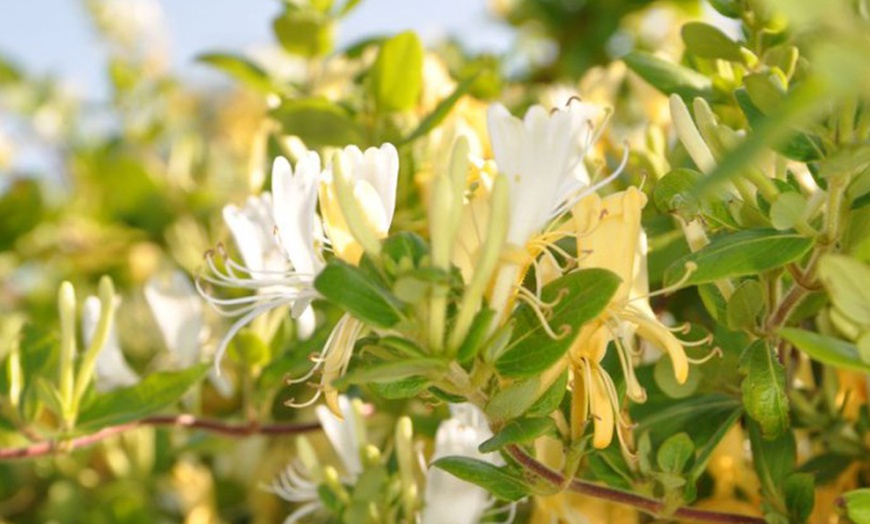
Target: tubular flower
{"type": "Point", "coordinates": [279, 273]}
{"type": "Point", "coordinates": [609, 236]}
{"type": "Point", "coordinates": [372, 176]}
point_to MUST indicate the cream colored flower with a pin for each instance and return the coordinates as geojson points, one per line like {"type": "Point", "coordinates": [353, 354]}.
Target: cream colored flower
{"type": "Point", "coordinates": [609, 236]}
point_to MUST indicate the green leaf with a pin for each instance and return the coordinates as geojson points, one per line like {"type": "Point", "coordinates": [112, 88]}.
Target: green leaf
{"type": "Point", "coordinates": [405, 388]}
{"type": "Point", "coordinates": [515, 399]}
{"type": "Point", "coordinates": [706, 41]}
{"type": "Point", "coordinates": [745, 253]}
{"type": "Point", "coordinates": [857, 505]}
{"type": "Point", "coordinates": [669, 77]}
{"type": "Point", "coordinates": [550, 400]}
{"type": "Point", "coordinates": [774, 460]}
{"type": "Point", "coordinates": [729, 8]}
{"type": "Point", "coordinates": [787, 210]}
{"type": "Point", "coordinates": [763, 389]}
{"type": "Point", "coordinates": [441, 111]}
{"type": "Point", "coordinates": [848, 284]}
{"type": "Point", "coordinates": [305, 33]}
{"type": "Point", "coordinates": [827, 350]}
{"type": "Point", "coordinates": [580, 297]}
{"type": "Point", "coordinates": [241, 69]}
{"type": "Point", "coordinates": [794, 144]}
{"type": "Point", "coordinates": [153, 393]}
{"type": "Point", "coordinates": [765, 90]}
{"type": "Point", "coordinates": [674, 453]}
{"type": "Point", "coordinates": [518, 431]}
{"type": "Point", "coordinates": [477, 335]}
{"type": "Point", "coordinates": [397, 74]}
{"type": "Point", "coordinates": [722, 426]}
{"type": "Point", "coordinates": [663, 373]}
{"type": "Point", "coordinates": [349, 287]}
{"type": "Point", "coordinates": [497, 481]}
{"type": "Point", "coordinates": [385, 372]}
{"type": "Point", "coordinates": [318, 122]}
{"type": "Point", "coordinates": [799, 496]}
{"type": "Point", "coordinates": [745, 304]}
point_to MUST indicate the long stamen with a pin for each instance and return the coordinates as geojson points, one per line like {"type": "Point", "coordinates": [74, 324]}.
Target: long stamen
{"type": "Point", "coordinates": [690, 268]}
{"type": "Point", "coordinates": [715, 352]}
{"type": "Point", "coordinates": [291, 403]}
{"type": "Point", "coordinates": [565, 329]}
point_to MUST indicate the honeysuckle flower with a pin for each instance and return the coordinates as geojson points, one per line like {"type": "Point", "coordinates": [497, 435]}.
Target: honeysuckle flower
{"type": "Point", "coordinates": [177, 308]}
{"type": "Point", "coordinates": [449, 500]}
{"type": "Point", "coordinates": [111, 370]}
{"type": "Point", "coordinates": [299, 480]}
{"type": "Point", "coordinates": [278, 236]}
{"type": "Point", "coordinates": [371, 176]}
{"type": "Point", "coordinates": [609, 236]}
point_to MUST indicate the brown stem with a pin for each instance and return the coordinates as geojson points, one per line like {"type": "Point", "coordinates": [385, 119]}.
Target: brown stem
{"type": "Point", "coordinates": [647, 505]}
{"type": "Point", "coordinates": [186, 421]}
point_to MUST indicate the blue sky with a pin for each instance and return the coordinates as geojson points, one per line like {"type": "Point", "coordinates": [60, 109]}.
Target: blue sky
{"type": "Point", "coordinates": [55, 36]}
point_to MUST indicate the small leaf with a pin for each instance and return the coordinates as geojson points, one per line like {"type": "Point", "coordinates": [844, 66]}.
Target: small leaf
{"type": "Point", "coordinates": [763, 389]}
{"type": "Point", "coordinates": [729, 8]}
{"type": "Point", "coordinates": [318, 122]}
{"type": "Point", "coordinates": [799, 496]}
{"type": "Point", "coordinates": [745, 304]}
{"type": "Point", "coordinates": [155, 392]}
{"type": "Point", "coordinates": [674, 453]}
{"type": "Point", "coordinates": [857, 505]}
{"type": "Point", "coordinates": [304, 32]}
{"type": "Point", "coordinates": [476, 336]}
{"type": "Point", "coordinates": [496, 480]}
{"type": "Point", "coordinates": [550, 400]}
{"type": "Point", "coordinates": [787, 210]}
{"type": "Point", "coordinates": [745, 253]}
{"type": "Point", "coordinates": [706, 41]}
{"type": "Point", "coordinates": [397, 74]}
{"type": "Point", "coordinates": [241, 69]}
{"type": "Point", "coordinates": [518, 431]}
{"type": "Point", "coordinates": [349, 287]}
{"type": "Point", "coordinates": [848, 284]}
{"type": "Point", "coordinates": [796, 145]}
{"type": "Point", "coordinates": [668, 77]}
{"type": "Point", "coordinates": [827, 350]}
{"type": "Point", "coordinates": [580, 296]}
{"type": "Point", "coordinates": [399, 389]}
{"type": "Point", "coordinates": [385, 372]}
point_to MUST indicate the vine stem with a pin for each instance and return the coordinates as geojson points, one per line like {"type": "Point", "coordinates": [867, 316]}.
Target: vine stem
{"type": "Point", "coordinates": [52, 447]}
{"type": "Point", "coordinates": [648, 505]}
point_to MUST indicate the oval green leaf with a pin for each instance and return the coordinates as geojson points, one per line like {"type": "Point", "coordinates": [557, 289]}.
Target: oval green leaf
{"type": "Point", "coordinates": [825, 349]}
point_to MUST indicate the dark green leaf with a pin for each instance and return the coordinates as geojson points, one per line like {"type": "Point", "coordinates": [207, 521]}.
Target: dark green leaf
{"type": "Point", "coordinates": [155, 392]}
{"type": "Point", "coordinates": [799, 496]}
{"type": "Point", "coordinates": [706, 41]}
{"type": "Point", "coordinates": [518, 431]}
{"type": "Point", "coordinates": [397, 74]}
{"type": "Point", "coordinates": [581, 296]}
{"type": "Point", "coordinates": [496, 480]}
{"type": "Point", "coordinates": [241, 69]}
{"type": "Point", "coordinates": [476, 336]}
{"type": "Point", "coordinates": [745, 253]}
{"type": "Point", "coordinates": [825, 349]}
{"type": "Point", "coordinates": [350, 288]}
{"type": "Point", "coordinates": [774, 460]}
{"type": "Point", "coordinates": [669, 77]}
{"type": "Point", "coordinates": [763, 389]}
{"type": "Point", "coordinates": [318, 122]}
{"type": "Point", "coordinates": [745, 304]}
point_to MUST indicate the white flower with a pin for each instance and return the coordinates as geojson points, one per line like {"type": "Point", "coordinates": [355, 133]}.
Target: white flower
{"type": "Point", "coordinates": [253, 229]}
{"type": "Point", "coordinates": [111, 369]}
{"type": "Point", "coordinates": [542, 157]}
{"type": "Point", "coordinates": [295, 211]}
{"type": "Point", "coordinates": [178, 312]}
{"type": "Point", "coordinates": [448, 499]}
{"type": "Point", "coordinates": [373, 176]}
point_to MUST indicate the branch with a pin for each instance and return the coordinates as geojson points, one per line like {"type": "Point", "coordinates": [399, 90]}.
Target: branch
{"type": "Point", "coordinates": [647, 505]}
{"type": "Point", "coordinates": [51, 447]}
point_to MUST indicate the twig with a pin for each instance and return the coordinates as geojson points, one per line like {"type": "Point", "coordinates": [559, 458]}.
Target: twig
{"type": "Point", "coordinates": [51, 447]}
{"type": "Point", "coordinates": [647, 505]}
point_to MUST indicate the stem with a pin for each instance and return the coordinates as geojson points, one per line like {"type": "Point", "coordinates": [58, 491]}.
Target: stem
{"type": "Point", "coordinates": [186, 421]}
{"type": "Point", "coordinates": [647, 505]}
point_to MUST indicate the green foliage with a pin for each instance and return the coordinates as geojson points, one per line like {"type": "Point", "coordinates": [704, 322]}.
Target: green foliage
{"type": "Point", "coordinates": [499, 481]}
{"type": "Point", "coordinates": [667, 77]}
{"type": "Point", "coordinates": [318, 122]}
{"type": "Point", "coordinates": [351, 288]}
{"type": "Point", "coordinates": [764, 395]}
{"type": "Point", "coordinates": [397, 75]}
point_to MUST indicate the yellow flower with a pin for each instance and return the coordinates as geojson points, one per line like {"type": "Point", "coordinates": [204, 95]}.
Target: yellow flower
{"type": "Point", "coordinates": [609, 236]}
